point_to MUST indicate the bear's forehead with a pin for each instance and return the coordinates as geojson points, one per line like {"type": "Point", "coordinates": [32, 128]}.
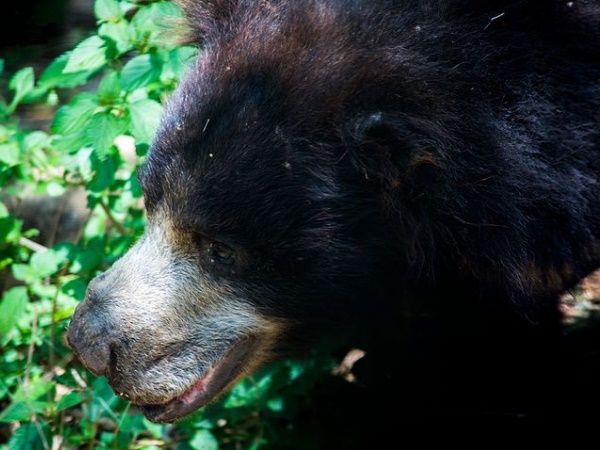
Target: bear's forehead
{"type": "Point", "coordinates": [237, 185]}
{"type": "Point", "coordinates": [255, 129]}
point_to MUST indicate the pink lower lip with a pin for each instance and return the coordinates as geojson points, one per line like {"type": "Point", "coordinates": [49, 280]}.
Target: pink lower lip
{"type": "Point", "coordinates": [207, 388]}
{"type": "Point", "coordinates": [190, 395]}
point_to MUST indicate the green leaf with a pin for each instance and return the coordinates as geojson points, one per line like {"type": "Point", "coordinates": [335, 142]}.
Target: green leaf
{"type": "Point", "coordinates": [83, 161]}
{"type": "Point", "coordinates": [204, 440]}
{"type": "Point", "coordinates": [55, 189]}
{"type": "Point", "coordinates": [276, 404]}
{"type": "Point", "coordinates": [107, 10]}
{"type": "Point", "coordinates": [141, 71]}
{"type": "Point", "coordinates": [55, 76]}
{"type": "Point", "coordinates": [52, 99]}
{"type": "Point", "coordinates": [12, 307]}
{"type": "Point", "coordinates": [155, 23]}
{"type": "Point", "coordinates": [72, 143]}
{"type": "Point", "coordinates": [10, 154]}
{"type": "Point", "coordinates": [75, 288]}
{"type": "Point", "coordinates": [102, 130]}
{"type": "Point", "coordinates": [21, 411]}
{"type": "Point", "coordinates": [3, 210]}
{"type": "Point", "coordinates": [10, 229]}
{"type": "Point", "coordinates": [22, 83]}
{"type": "Point", "coordinates": [73, 117]}
{"type": "Point", "coordinates": [26, 437]}
{"type": "Point", "coordinates": [22, 272]}
{"type": "Point", "coordinates": [68, 401]}
{"type": "Point", "coordinates": [89, 54]}
{"type": "Point", "coordinates": [36, 140]}
{"type": "Point", "coordinates": [145, 117]}
{"type": "Point", "coordinates": [89, 258]}
{"type": "Point", "coordinates": [119, 33]}
{"type": "Point", "coordinates": [247, 391]}
{"type": "Point", "coordinates": [109, 89]}
{"type": "Point", "coordinates": [45, 263]}
{"type": "Point", "coordinates": [106, 169]}
{"type": "Point", "coordinates": [1, 66]}
{"type": "Point", "coordinates": [34, 390]}
{"type": "Point", "coordinates": [155, 429]}
{"type": "Point", "coordinates": [181, 58]}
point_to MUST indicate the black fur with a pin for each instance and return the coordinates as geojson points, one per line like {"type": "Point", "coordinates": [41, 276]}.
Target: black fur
{"type": "Point", "coordinates": [449, 148]}
{"type": "Point", "coordinates": [443, 140]}
{"type": "Point", "coordinates": [431, 163]}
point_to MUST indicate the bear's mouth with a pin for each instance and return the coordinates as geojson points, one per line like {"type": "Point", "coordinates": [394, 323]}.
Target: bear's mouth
{"type": "Point", "coordinates": [213, 383]}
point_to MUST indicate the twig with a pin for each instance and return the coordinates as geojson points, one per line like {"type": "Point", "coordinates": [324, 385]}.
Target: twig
{"type": "Point", "coordinates": [52, 337]}
{"type": "Point", "coordinates": [30, 351]}
{"type": "Point", "coordinates": [56, 222]}
{"type": "Point", "coordinates": [32, 245]}
{"type": "Point", "coordinates": [112, 219]}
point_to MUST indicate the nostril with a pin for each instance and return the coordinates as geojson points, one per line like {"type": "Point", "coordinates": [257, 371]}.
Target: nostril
{"type": "Point", "coordinates": [96, 358]}
{"type": "Point", "coordinates": [88, 334]}
{"type": "Point", "coordinates": [93, 352]}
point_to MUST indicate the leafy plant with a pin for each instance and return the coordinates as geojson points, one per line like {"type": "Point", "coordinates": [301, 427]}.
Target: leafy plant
{"type": "Point", "coordinates": [106, 94]}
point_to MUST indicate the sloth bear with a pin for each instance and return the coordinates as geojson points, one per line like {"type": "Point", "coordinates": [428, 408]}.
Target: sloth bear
{"type": "Point", "coordinates": [424, 175]}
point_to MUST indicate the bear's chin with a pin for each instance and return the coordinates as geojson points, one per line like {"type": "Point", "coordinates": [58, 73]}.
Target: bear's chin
{"type": "Point", "coordinates": [215, 382]}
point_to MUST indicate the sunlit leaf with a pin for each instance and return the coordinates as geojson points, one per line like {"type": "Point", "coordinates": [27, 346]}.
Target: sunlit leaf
{"type": "Point", "coordinates": [181, 58]}
{"type": "Point", "coordinates": [68, 401]}
{"type": "Point", "coordinates": [55, 189]}
{"type": "Point", "coordinates": [107, 10]}
{"type": "Point", "coordinates": [105, 169]}
{"type": "Point", "coordinates": [155, 23]}
{"type": "Point", "coordinates": [248, 391]}
{"type": "Point", "coordinates": [54, 75]}
{"type": "Point", "coordinates": [34, 389]}
{"type": "Point", "coordinates": [87, 259]}
{"type": "Point", "coordinates": [118, 32]}
{"type": "Point", "coordinates": [22, 272]}
{"type": "Point", "coordinates": [22, 83]}
{"type": "Point", "coordinates": [12, 307]}
{"type": "Point", "coordinates": [26, 437]}
{"type": "Point", "coordinates": [18, 411]}
{"type": "Point", "coordinates": [10, 229]}
{"type": "Point", "coordinates": [3, 210]}
{"type": "Point", "coordinates": [145, 117]}
{"type": "Point", "coordinates": [110, 88]}
{"type": "Point", "coordinates": [36, 140]}
{"type": "Point", "coordinates": [276, 404]}
{"type": "Point", "coordinates": [89, 54]}
{"type": "Point", "coordinates": [141, 71]}
{"type": "Point", "coordinates": [10, 154]}
{"type": "Point", "coordinates": [204, 440]}
{"type": "Point", "coordinates": [102, 130]}
{"type": "Point", "coordinates": [45, 263]}
{"type": "Point", "coordinates": [74, 116]}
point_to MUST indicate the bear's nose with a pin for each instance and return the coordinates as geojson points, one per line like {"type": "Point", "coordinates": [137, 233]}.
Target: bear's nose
{"type": "Point", "coordinates": [88, 334]}
{"type": "Point", "coordinates": [91, 349]}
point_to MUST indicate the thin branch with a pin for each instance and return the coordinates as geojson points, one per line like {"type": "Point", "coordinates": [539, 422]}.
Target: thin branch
{"type": "Point", "coordinates": [32, 245]}
{"type": "Point", "coordinates": [30, 350]}
{"type": "Point", "coordinates": [112, 219]}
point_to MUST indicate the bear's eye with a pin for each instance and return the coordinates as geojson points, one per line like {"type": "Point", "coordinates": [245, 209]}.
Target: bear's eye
{"type": "Point", "coordinates": [221, 253]}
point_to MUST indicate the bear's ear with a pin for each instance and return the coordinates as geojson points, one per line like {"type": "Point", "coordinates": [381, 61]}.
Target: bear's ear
{"type": "Point", "coordinates": [392, 150]}
{"type": "Point", "coordinates": [204, 17]}
{"type": "Point", "coordinates": [373, 127]}
{"type": "Point", "coordinates": [382, 139]}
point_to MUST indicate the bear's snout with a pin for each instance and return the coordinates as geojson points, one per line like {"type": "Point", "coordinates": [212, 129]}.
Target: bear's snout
{"type": "Point", "coordinates": [93, 354]}
{"type": "Point", "coordinates": [87, 334]}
